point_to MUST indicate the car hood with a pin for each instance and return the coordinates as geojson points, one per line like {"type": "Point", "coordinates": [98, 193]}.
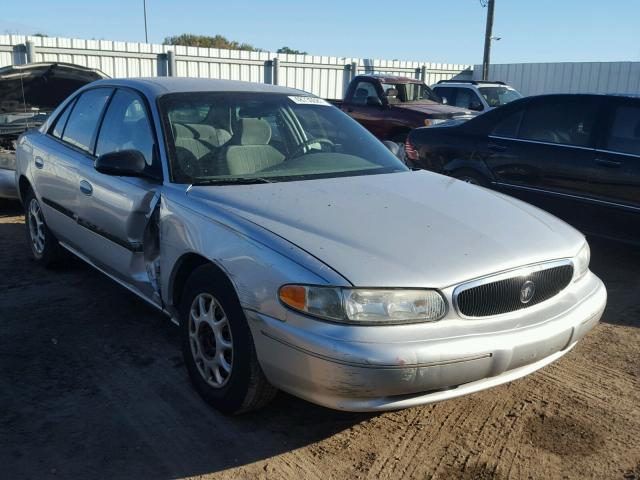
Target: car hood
{"type": "Point", "coordinates": [45, 85]}
{"type": "Point", "coordinates": [407, 229]}
{"type": "Point", "coordinates": [438, 110]}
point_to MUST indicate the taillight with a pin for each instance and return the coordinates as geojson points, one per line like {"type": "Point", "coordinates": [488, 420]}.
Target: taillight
{"type": "Point", "coordinates": [411, 152]}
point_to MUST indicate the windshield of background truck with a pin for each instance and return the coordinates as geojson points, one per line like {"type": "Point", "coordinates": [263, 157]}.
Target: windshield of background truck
{"type": "Point", "coordinates": [498, 96]}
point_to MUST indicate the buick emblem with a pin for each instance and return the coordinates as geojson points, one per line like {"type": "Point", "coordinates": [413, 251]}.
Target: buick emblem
{"type": "Point", "coordinates": [527, 290]}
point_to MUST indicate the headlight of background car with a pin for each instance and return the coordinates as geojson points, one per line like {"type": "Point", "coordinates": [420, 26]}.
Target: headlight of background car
{"type": "Point", "coordinates": [365, 306]}
{"type": "Point", "coordinates": [581, 262]}
{"type": "Point", "coordinates": [7, 161]}
{"type": "Point", "coordinates": [429, 122]}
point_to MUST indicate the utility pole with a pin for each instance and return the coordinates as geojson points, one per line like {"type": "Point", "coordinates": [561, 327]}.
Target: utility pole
{"type": "Point", "coordinates": [487, 40]}
{"type": "Point", "coordinates": [144, 6]}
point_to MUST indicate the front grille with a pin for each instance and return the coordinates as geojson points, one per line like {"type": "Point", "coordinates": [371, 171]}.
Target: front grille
{"type": "Point", "coordinates": [494, 297]}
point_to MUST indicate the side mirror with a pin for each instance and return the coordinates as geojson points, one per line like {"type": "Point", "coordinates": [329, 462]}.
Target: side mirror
{"type": "Point", "coordinates": [477, 106]}
{"type": "Point", "coordinates": [124, 163]}
{"type": "Point", "coordinates": [396, 149]}
{"type": "Point", "coordinates": [373, 101]}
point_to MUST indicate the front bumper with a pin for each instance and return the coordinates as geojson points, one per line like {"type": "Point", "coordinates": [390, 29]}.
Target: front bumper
{"type": "Point", "coordinates": [8, 184]}
{"type": "Point", "coordinates": [328, 367]}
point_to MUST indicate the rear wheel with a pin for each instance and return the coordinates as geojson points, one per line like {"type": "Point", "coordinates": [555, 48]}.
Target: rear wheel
{"type": "Point", "coordinates": [471, 177]}
{"type": "Point", "coordinates": [218, 347]}
{"type": "Point", "coordinates": [44, 246]}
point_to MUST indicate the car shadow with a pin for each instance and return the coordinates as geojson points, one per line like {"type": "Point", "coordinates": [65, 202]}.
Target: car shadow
{"type": "Point", "coordinates": [94, 386]}
{"type": "Point", "coordinates": [617, 264]}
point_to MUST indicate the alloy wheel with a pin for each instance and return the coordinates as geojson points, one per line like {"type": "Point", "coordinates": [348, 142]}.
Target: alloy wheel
{"type": "Point", "coordinates": [36, 226]}
{"type": "Point", "coordinates": [210, 340]}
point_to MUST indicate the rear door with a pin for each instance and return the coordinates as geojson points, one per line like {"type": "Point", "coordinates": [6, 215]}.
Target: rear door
{"type": "Point", "coordinates": [615, 176]}
{"type": "Point", "coordinates": [118, 211]}
{"type": "Point", "coordinates": [68, 143]}
{"type": "Point", "coordinates": [544, 154]}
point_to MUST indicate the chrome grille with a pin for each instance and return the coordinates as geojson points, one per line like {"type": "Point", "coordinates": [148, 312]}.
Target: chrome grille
{"type": "Point", "coordinates": [502, 294]}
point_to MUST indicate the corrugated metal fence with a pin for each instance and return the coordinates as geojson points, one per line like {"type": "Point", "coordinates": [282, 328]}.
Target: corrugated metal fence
{"type": "Point", "coordinates": [324, 76]}
{"type": "Point", "coordinates": [584, 77]}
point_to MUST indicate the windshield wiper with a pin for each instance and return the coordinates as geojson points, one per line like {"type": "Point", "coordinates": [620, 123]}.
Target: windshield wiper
{"type": "Point", "coordinates": [231, 181]}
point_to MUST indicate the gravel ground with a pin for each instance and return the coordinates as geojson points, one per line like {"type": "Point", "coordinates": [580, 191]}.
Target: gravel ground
{"type": "Point", "coordinates": [92, 385]}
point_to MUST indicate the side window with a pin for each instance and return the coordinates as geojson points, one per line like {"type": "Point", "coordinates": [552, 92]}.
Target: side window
{"type": "Point", "coordinates": [83, 122]}
{"type": "Point", "coordinates": [126, 127]}
{"type": "Point", "coordinates": [508, 127]}
{"type": "Point", "coordinates": [562, 122]}
{"type": "Point", "coordinates": [624, 136]}
{"type": "Point", "coordinates": [363, 91]}
{"type": "Point", "coordinates": [61, 121]}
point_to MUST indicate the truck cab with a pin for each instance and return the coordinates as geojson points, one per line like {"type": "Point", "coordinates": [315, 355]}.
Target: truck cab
{"type": "Point", "coordinates": [390, 107]}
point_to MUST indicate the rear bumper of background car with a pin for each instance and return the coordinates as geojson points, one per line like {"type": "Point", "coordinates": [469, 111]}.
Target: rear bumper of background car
{"type": "Point", "coordinates": [8, 184]}
{"type": "Point", "coordinates": [373, 376]}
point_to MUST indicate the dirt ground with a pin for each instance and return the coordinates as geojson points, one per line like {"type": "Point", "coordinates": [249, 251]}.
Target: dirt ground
{"type": "Point", "coordinates": [92, 385]}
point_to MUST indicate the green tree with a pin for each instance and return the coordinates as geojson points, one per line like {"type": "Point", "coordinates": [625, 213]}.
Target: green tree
{"type": "Point", "coordinates": [290, 50]}
{"type": "Point", "coordinates": [206, 41]}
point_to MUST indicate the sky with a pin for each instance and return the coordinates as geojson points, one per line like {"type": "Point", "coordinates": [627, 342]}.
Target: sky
{"type": "Point", "coordinates": [445, 31]}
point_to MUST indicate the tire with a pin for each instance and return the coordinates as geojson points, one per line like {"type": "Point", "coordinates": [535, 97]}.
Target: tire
{"type": "Point", "coordinates": [44, 246]}
{"type": "Point", "coordinates": [472, 177]}
{"type": "Point", "coordinates": [218, 347]}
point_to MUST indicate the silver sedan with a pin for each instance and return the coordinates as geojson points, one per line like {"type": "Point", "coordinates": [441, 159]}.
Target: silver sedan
{"type": "Point", "coordinates": [295, 251]}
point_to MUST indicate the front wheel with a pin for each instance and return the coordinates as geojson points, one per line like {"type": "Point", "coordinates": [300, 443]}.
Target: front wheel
{"type": "Point", "coordinates": [217, 345]}
{"type": "Point", "coordinates": [44, 246]}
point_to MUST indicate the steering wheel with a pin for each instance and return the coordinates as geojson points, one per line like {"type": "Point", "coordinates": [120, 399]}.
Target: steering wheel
{"type": "Point", "coordinates": [311, 141]}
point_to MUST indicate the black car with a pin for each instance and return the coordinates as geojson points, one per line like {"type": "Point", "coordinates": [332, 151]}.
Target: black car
{"type": "Point", "coordinates": [577, 156]}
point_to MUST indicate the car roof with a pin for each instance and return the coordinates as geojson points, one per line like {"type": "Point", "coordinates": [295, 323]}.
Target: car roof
{"type": "Point", "coordinates": [389, 78]}
{"type": "Point", "coordinates": [470, 85]}
{"type": "Point", "coordinates": [157, 86]}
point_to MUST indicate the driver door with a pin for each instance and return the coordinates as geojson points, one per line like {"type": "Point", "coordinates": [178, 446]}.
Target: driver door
{"type": "Point", "coordinates": [119, 211]}
{"type": "Point", "coordinates": [366, 106]}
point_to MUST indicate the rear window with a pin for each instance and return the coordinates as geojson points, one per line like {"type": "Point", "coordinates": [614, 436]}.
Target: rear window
{"type": "Point", "coordinates": [83, 122]}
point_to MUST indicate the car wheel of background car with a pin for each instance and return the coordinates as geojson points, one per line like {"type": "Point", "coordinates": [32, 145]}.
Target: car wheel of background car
{"type": "Point", "coordinates": [217, 345]}
{"type": "Point", "coordinates": [471, 177]}
{"type": "Point", "coordinates": [44, 245]}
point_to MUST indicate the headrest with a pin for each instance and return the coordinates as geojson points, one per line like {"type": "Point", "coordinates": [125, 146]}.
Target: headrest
{"type": "Point", "coordinates": [392, 92]}
{"type": "Point", "coordinates": [180, 130]}
{"type": "Point", "coordinates": [255, 132]}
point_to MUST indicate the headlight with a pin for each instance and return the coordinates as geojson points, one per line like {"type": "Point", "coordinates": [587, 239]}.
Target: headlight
{"type": "Point", "coordinates": [7, 161]}
{"type": "Point", "coordinates": [429, 122]}
{"type": "Point", "coordinates": [581, 262]}
{"type": "Point", "coordinates": [365, 306]}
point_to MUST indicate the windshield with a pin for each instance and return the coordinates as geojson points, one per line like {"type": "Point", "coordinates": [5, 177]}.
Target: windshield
{"type": "Point", "coordinates": [409, 92]}
{"type": "Point", "coordinates": [498, 96]}
{"type": "Point", "coordinates": [222, 137]}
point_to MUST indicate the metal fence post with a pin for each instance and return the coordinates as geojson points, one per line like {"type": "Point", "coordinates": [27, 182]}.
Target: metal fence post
{"type": "Point", "coordinates": [276, 71]}
{"type": "Point", "coordinates": [354, 70]}
{"type": "Point", "coordinates": [31, 51]}
{"type": "Point", "coordinates": [423, 73]}
{"type": "Point", "coordinates": [171, 63]}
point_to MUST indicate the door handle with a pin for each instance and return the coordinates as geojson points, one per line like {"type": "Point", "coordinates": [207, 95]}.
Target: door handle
{"type": "Point", "coordinates": [608, 163]}
{"type": "Point", "coordinates": [39, 162]}
{"type": "Point", "coordinates": [496, 148]}
{"type": "Point", "coordinates": [85, 187]}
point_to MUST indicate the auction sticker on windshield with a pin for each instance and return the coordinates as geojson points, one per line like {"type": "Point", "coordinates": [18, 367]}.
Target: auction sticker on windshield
{"type": "Point", "coordinates": [309, 101]}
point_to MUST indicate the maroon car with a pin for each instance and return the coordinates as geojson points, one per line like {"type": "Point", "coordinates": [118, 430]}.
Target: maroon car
{"type": "Point", "coordinates": [390, 107]}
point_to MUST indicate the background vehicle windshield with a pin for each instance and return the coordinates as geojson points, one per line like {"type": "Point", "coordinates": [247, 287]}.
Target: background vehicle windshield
{"type": "Point", "coordinates": [218, 136]}
{"type": "Point", "coordinates": [412, 92]}
{"type": "Point", "coordinates": [497, 96]}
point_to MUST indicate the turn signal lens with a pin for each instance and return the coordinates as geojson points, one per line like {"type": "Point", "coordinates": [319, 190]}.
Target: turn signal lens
{"type": "Point", "coordinates": [295, 296]}
{"type": "Point", "coordinates": [581, 262]}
